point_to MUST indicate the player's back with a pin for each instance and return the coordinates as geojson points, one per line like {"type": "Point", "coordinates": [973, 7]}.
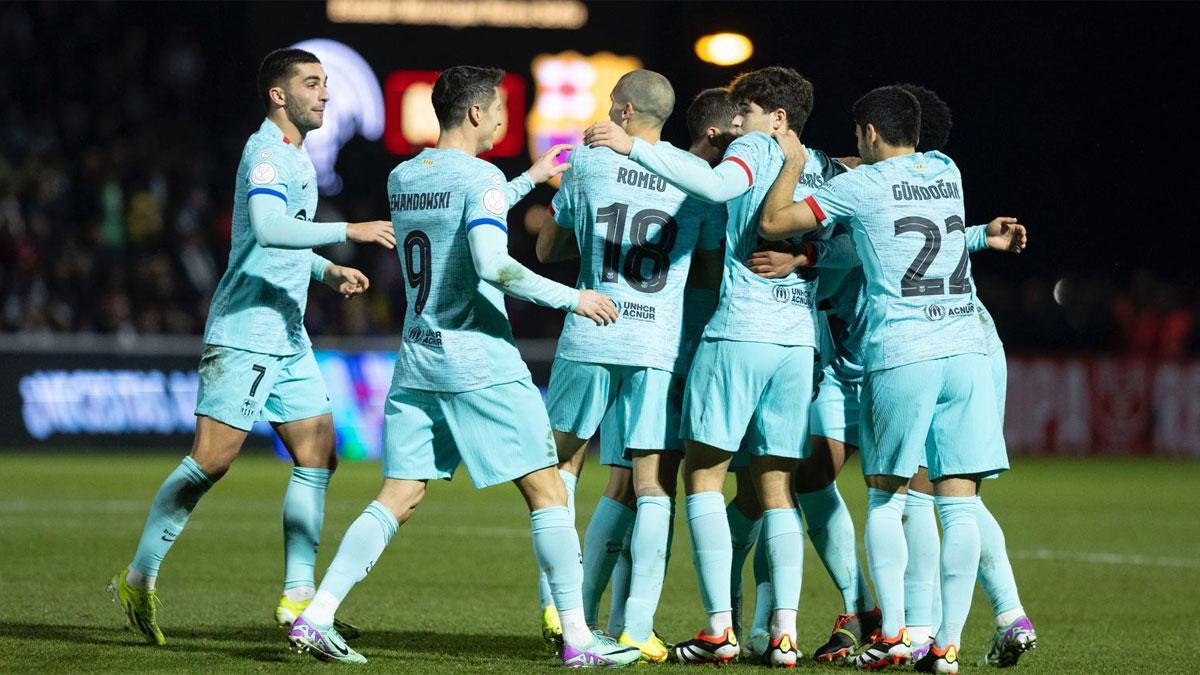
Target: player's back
{"type": "Point", "coordinates": [636, 234]}
{"type": "Point", "coordinates": [752, 308]}
{"type": "Point", "coordinates": [456, 334]}
{"type": "Point", "coordinates": [260, 301]}
{"type": "Point", "coordinates": [910, 234]}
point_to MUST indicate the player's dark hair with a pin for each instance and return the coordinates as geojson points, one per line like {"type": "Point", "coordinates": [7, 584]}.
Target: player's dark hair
{"type": "Point", "coordinates": [460, 87]}
{"type": "Point", "coordinates": [711, 108]}
{"type": "Point", "coordinates": [936, 119]}
{"type": "Point", "coordinates": [776, 87]}
{"type": "Point", "coordinates": [895, 113]}
{"type": "Point", "coordinates": [276, 68]}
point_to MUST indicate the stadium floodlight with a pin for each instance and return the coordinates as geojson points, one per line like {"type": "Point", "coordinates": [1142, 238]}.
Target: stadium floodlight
{"type": "Point", "coordinates": [355, 107]}
{"type": "Point", "coordinates": [724, 49]}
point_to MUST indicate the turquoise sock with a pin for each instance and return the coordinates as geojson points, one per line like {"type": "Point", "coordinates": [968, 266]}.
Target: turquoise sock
{"type": "Point", "coordinates": [556, 547]}
{"type": "Point", "coordinates": [960, 561]}
{"type": "Point", "coordinates": [785, 550]}
{"type": "Point", "coordinates": [831, 530]}
{"type": "Point", "coordinates": [921, 573]}
{"type": "Point", "coordinates": [764, 594]}
{"type": "Point", "coordinates": [303, 515]}
{"type": "Point", "coordinates": [995, 571]}
{"type": "Point", "coordinates": [620, 587]}
{"type": "Point", "coordinates": [169, 514]}
{"type": "Point", "coordinates": [545, 595]}
{"type": "Point", "coordinates": [602, 542]}
{"type": "Point", "coordinates": [649, 556]}
{"type": "Point", "coordinates": [743, 532]}
{"type": "Point", "coordinates": [887, 554]}
{"type": "Point", "coordinates": [712, 550]}
{"type": "Point", "coordinates": [361, 547]}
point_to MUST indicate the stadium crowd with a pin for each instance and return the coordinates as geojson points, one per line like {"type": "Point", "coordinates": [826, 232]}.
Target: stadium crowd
{"type": "Point", "coordinates": [115, 208]}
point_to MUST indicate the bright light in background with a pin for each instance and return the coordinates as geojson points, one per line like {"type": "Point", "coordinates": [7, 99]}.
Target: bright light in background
{"type": "Point", "coordinates": [724, 49]}
{"type": "Point", "coordinates": [355, 106]}
{"type": "Point", "coordinates": [411, 123]}
{"type": "Point", "coordinates": [1060, 291]}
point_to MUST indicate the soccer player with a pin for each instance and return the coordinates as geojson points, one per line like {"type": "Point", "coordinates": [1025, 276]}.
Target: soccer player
{"type": "Point", "coordinates": [636, 235]}
{"type": "Point", "coordinates": [927, 390]}
{"type": "Point", "coordinates": [258, 362]}
{"type": "Point", "coordinates": [751, 380]}
{"type": "Point", "coordinates": [461, 393]}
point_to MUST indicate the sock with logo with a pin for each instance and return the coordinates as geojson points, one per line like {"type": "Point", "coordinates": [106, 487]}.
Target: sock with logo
{"type": "Point", "coordinates": [620, 587]}
{"type": "Point", "coordinates": [995, 571]}
{"type": "Point", "coordinates": [303, 515]}
{"type": "Point", "coordinates": [785, 551]}
{"type": "Point", "coordinates": [712, 552]}
{"type": "Point", "coordinates": [602, 541]}
{"type": "Point", "coordinates": [831, 531]}
{"type": "Point", "coordinates": [649, 550]}
{"type": "Point", "coordinates": [960, 562]}
{"type": "Point", "coordinates": [887, 555]}
{"type": "Point", "coordinates": [363, 543]}
{"type": "Point", "coordinates": [921, 573]}
{"type": "Point", "coordinates": [743, 532]}
{"type": "Point", "coordinates": [556, 547]}
{"type": "Point", "coordinates": [168, 515]}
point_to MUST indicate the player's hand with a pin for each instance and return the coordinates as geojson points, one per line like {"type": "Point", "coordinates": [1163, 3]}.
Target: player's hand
{"type": "Point", "coordinates": [372, 232]}
{"type": "Point", "coordinates": [1006, 234]}
{"type": "Point", "coordinates": [544, 168]}
{"type": "Point", "coordinates": [597, 307]}
{"type": "Point", "coordinates": [346, 280]}
{"type": "Point", "coordinates": [789, 142]}
{"type": "Point", "coordinates": [775, 264]}
{"type": "Point", "coordinates": [608, 135]}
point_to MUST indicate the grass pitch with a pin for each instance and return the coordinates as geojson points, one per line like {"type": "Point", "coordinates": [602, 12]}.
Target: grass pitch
{"type": "Point", "coordinates": [1106, 552]}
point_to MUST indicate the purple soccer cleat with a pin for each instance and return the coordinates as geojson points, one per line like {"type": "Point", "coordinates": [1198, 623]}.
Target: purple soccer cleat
{"type": "Point", "coordinates": [323, 642]}
{"type": "Point", "coordinates": [604, 652]}
{"type": "Point", "coordinates": [1009, 643]}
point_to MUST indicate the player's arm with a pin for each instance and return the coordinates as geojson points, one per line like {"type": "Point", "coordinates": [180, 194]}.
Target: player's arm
{"type": "Point", "coordinates": [273, 228]}
{"type": "Point", "coordinates": [1003, 233]}
{"type": "Point", "coordinates": [489, 252]}
{"type": "Point", "coordinates": [728, 180]}
{"type": "Point", "coordinates": [556, 239]}
{"type": "Point", "coordinates": [781, 218]}
{"type": "Point", "coordinates": [539, 172]}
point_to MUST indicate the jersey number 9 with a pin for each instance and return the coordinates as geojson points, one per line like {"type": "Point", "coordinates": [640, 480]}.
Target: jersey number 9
{"type": "Point", "coordinates": [416, 259]}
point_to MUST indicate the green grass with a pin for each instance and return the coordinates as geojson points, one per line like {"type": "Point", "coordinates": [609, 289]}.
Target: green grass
{"type": "Point", "coordinates": [456, 589]}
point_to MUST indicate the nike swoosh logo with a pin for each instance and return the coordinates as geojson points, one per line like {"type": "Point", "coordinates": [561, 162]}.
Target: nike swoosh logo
{"type": "Point", "coordinates": [304, 187]}
{"type": "Point", "coordinates": [166, 534]}
{"type": "Point", "coordinates": [342, 650]}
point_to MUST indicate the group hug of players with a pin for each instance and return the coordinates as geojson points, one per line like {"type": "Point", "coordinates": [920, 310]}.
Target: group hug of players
{"type": "Point", "coordinates": [748, 304]}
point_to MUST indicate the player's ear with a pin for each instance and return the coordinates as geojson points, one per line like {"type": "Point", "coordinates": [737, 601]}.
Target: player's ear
{"type": "Point", "coordinates": [871, 134]}
{"type": "Point", "coordinates": [779, 117]}
{"type": "Point", "coordinates": [711, 133]}
{"type": "Point", "coordinates": [474, 115]}
{"type": "Point", "coordinates": [627, 112]}
{"type": "Point", "coordinates": [277, 95]}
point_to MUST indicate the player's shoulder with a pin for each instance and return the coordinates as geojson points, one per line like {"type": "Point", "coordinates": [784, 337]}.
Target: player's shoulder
{"type": "Point", "coordinates": [753, 143]}
{"type": "Point", "coordinates": [937, 162]}
{"type": "Point", "coordinates": [821, 164]}
{"type": "Point", "coordinates": [483, 169]}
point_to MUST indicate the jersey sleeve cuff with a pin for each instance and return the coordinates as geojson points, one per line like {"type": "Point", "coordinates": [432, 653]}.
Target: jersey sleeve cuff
{"type": "Point", "coordinates": [745, 167]}
{"type": "Point", "coordinates": [816, 209]}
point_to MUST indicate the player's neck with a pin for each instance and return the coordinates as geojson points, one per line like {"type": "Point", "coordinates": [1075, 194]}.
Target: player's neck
{"type": "Point", "coordinates": [648, 134]}
{"type": "Point", "coordinates": [290, 131]}
{"type": "Point", "coordinates": [889, 151]}
{"type": "Point", "coordinates": [455, 139]}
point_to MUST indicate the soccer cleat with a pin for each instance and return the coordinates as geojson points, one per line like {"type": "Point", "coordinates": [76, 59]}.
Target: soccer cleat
{"type": "Point", "coordinates": [850, 631]}
{"type": "Point", "coordinates": [937, 660]}
{"type": "Point", "coordinates": [604, 652]}
{"type": "Point", "coordinates": [323, 642]}
{"type": "Point", "coordinates": [757, 644]}
{"type": "Point", "coordinates": [782, 652]}
{"type": "Point", "coordinates": [1009, 643]}
{"type": "Point", "coordinates": [886, 651]}
{"type": "Point", "coordinates": [552, 635]}
{"type": "Point", "coordinates": [703, 648]}
{"type": "Point", "coordinates": [140, 607]}
{"type": "Point", "coordinates": [653, 650]}
{"type": "Point", "coordinates": [287, 611]}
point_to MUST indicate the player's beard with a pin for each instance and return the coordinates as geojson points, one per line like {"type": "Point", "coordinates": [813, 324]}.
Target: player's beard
{"type": "Point", "coordinates": [302, 116]}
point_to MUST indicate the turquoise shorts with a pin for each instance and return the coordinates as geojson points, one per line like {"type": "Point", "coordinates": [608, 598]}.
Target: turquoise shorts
{"type": "Point", "coordinates": [751, 396]}
{"type": "Point", "coordinates": [940, 414]}
{"type": "Point", "coordinates": [500, 432]}
{"type": "Point", "coordinates": [612, 453]}
{"type": "Point", "coordinates": [240, 388]}
{"type": "Point", "coordinates": [644, 403]}
{"type": "Point", "coordinates": [834, 413]}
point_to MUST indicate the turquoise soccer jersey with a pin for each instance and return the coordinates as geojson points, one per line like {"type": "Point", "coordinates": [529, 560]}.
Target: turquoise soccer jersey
{"type": "Point", "coordinates": [751, 308]}
{"type": "Point", "coordinates": [636, 233]}
{"type": "Point", "coordinates": [841, 295]}
{"type": "Point", "coordinates": [456, 332]}
{"type": "Point", "coordinates": [259, 304]}
{"type": "Point", "coordinates": [906, 216]}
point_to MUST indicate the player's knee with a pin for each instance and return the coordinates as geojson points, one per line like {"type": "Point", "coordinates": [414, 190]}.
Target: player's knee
{"type": "Point", "coordinates": [401, 497]}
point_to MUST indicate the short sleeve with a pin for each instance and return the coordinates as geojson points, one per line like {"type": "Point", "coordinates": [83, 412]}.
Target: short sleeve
{"type": "Point", "coordinates": [485, 201]}
{"type": "Point", "coordinates": [837, 200]}
{"type": "Point", "coordinates": [268, 175]}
